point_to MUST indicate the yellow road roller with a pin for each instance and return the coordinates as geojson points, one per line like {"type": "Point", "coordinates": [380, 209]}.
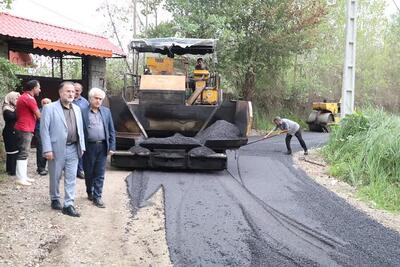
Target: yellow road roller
{"type": "Point", "coordinates": [323, 115]}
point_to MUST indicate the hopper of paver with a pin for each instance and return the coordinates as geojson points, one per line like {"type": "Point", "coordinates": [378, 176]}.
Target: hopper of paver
{"type": "Point", "coordinates": [173, 136]}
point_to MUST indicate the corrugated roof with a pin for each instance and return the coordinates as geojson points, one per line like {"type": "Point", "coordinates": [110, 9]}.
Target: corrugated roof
{"type": "Point", "coordinates": [51, 37]}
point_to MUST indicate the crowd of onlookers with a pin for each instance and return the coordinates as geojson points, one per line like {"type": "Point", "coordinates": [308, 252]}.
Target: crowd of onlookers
{"type": "Point", "coordinates": [73, 136]}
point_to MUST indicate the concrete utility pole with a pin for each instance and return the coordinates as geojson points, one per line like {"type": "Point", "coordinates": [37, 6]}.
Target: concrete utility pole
{"type": "Point", "coordinates": [349, 72]}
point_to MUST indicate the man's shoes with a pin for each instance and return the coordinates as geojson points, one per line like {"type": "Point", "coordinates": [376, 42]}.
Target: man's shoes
{"type": "Point", "coordinates": [80, 175]}
{"type": "Point", "coordinates": [30, 180]}
{"type": "Point", "coordinates": [90, 197]}
{"type": "Point", "coordinates": [42, 172]}
{"type": "Point", "coordinates": [288, 152]}
{"type": "Point", "coordinates": [70, 211]}
{"type": "Point", "coordinates": [56, 205]}
{"type": "Point", "coordinates": [98, 202]}
{"type": "Point", "coordinates": [305, 153]}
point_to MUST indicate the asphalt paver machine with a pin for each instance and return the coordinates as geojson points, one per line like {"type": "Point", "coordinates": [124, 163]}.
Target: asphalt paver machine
{"type": "Point", "coordinates": [168, 104]}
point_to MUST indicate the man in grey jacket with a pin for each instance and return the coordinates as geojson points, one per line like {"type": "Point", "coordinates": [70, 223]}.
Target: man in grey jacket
{"type": "Point", "coordinates": [61, 131]}
{"type": "Point", "coordinates": [290, 128]}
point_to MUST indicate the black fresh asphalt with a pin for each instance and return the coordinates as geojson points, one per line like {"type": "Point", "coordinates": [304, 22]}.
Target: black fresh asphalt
{"type": "Point", "coordinates": [262, 211]}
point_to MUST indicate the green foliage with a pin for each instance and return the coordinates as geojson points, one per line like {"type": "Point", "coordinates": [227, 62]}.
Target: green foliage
{"type": "Point", "coordinates": [364, 151]}
{"type": "Point", "coordinates": [262, 121]}
{"type": "Point", "coordinates": [5, 4]}
{"type": "Point", "coordinates": [8, 78]}
{"type": "Point", "coordinates": [72, 68]}
{"type": "Point", "coordinates": [256, 38]}
{"type": "Point", "coordinates": [116, 68]}
{"type": "Point", "coordinates": [164, 29]}
{"type": "Point", "coordinates": [320, 70]}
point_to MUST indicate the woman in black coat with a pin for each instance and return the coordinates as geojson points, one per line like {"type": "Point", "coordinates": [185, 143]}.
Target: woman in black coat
{"type": "Point", "coordinates": [9, 137]}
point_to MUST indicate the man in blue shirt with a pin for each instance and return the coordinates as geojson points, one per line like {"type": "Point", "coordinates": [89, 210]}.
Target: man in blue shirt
{"type": "Point", "coordinates": [100, 141]}
{"type": "Point", "coordinates": [82, 103]}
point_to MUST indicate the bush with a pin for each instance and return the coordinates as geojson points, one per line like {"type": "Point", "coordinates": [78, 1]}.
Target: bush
{"type": "Point", "coordinates": [263, 121]}
{"type": "Point", "coordinates": [8, 78]}
{"type": "Point", "coordinates": [364, 151]}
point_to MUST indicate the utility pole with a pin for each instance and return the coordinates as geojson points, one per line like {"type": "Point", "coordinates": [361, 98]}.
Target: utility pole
{"type": "Point", "coordinates": [349, 73]}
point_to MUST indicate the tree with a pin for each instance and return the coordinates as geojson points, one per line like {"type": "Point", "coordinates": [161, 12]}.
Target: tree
{"type": "Point", "coordinates": [164, 29]}
{"type": "Point", "coordinates": [378, 52]}
{"type": "Point", "coordinates": [254, 36]}
{"type": "Point", "coordinates": [8, 79]}
{"type": "Point", "coordinates": [5, 4]}
{"type": "Point", "coordinates": [150, 7]}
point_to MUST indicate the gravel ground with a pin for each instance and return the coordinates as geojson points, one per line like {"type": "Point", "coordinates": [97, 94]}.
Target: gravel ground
{"type": "Point", "coordinates": [31, 234]}
{"type": "Point", "coordinates": [317, 169]}
{"type": "Point", "coordinates": [212, 219]}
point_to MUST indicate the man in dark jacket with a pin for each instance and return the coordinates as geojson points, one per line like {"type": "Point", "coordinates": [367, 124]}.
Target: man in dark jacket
{"type": "Point", "coordinates": [82, 103]}
{"type": "Point", "coordinates": [100, 141]}
{"type": "Point", "coordinates": [40, 160]}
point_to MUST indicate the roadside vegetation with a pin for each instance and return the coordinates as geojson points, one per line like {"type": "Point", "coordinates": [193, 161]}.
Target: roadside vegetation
{"type": "Point", "coordinates": [8, 82]}
{"type": "Point", "coordinates": [8, 78]}
{"type": "Point", "coordinates": [364, 151]}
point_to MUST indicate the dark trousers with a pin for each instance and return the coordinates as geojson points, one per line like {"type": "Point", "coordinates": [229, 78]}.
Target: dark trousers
{"type": "Point", "coordinates": [94, 166]}
{"type": "Point", "coordinates": [299, 137]}
{"type": "Point", "coordinates": [80, 166]}
{"type": "Point", "coordinates": [40, 160]}
{"type": "Point", "coordinates": [24, 144]}
{"type": "Point", "coordinates": [11, 163]}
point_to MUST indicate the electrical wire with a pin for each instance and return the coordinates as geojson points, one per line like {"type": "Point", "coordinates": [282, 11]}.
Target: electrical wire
{"type": "Point", "coordinates": [398, 8]}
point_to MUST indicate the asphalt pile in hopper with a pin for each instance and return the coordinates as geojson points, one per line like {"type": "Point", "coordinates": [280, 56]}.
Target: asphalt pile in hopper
{"type": "Point", "coordinates": [201, 151]}
{"type": "Point", "coordinates": [172, 140]}
{"type": "Point", "coordinates": [220, 130]}
{"type": "Point", "coordinates": [138, 150]}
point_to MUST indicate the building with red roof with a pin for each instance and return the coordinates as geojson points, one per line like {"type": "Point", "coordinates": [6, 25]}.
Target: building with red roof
{"type": "Point", "coordinates": [20, 38]}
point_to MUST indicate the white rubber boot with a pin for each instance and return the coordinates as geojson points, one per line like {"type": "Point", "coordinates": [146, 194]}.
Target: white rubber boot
{"type": "Point", "coordinates": [21, 172]}
{"type": "Point", "coordinates": [31, 180]}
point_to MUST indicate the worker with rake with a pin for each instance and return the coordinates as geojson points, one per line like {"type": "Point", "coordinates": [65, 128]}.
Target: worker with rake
{"type": "Point", "coordinates": [290, 128]}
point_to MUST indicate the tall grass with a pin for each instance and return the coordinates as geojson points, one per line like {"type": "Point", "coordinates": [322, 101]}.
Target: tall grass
{"type": "Point", "coordinates": [364, 150]}
{"type": "Point", "coordinates": [263, 121]}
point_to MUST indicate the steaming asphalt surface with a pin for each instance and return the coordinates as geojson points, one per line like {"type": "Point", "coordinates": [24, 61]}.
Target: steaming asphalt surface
{"type": "Point", "coordinates": [270, 215]}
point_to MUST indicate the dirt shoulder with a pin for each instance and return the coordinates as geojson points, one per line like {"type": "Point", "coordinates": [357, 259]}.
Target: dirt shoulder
{"type": "Point", "coordinates": [316, 168]}
{"type": "Point", "coordinates": [31, 234]}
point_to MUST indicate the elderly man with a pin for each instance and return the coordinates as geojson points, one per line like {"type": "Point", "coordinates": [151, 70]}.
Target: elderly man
{"type": "Point", "coordinates": [291, 128]}
{"type": "Point", "coordinates": [61, 131]}
{"type": "Point", "coordinates": [27, 112]}
{"type": "Point", "coordinates": [100, 141]}
{"type": "Point", "coordinates": [82, 103]}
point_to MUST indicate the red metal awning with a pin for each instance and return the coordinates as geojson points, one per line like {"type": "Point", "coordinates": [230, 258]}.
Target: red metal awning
{"type": "Point", "coordinates": [50, 37]}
